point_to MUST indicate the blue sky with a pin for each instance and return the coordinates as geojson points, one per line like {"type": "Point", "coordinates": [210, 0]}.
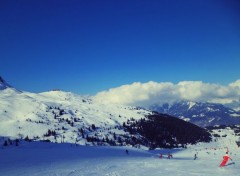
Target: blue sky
{"type": "Point", "coordinates": [89, 46]}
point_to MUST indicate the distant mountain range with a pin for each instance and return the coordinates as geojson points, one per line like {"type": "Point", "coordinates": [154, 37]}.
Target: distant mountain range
{"type": "Point", "coordinates": [199, 113]}
{"type": "Point", "coordinates": [58, 116]}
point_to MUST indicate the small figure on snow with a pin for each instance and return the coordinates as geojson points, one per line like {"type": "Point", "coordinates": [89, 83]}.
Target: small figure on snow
{"type": "Point", "coordinates": [169, 155]}
{"type": "Point", "coordinates": [225, 160]}
{"type": "Point", "coordinates": [195, 156]}
{"type": "Point", "coordinates": [127, 152]}
{"type": "Point", "coordinates": [161, 155]}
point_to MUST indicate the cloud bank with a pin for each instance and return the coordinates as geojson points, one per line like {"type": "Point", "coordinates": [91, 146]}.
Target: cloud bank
{"type": "Point", "coordinates": [146, 94]}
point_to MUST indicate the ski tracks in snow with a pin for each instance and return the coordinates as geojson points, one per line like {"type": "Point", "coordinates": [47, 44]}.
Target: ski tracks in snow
{"type": "Point", "coordinates": [104, 168]}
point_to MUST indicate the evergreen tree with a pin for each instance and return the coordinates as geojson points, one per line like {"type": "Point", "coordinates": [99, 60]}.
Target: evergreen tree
{"type": "Point", "coordinates": [27, 139]}
{"type": "Point", "coordinates": [17, 142]}
{"type": "Point", "coordinates": [10, 141]}
{"type": "Point", "coordinates": [5, 143]}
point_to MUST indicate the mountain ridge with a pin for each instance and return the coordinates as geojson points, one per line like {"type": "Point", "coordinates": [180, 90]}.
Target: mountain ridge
{"type": "Point", "coordinates": [58, 116]}
{"type": "Point", "coordinates": [200, 113]}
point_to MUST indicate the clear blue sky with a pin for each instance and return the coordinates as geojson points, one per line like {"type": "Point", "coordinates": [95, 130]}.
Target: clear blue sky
{"type": "Point", "coordinates": [86, 46]}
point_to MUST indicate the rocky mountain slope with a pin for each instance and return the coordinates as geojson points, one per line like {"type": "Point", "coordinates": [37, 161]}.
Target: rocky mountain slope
{"type": "Point", "coordinates": [201, 114]}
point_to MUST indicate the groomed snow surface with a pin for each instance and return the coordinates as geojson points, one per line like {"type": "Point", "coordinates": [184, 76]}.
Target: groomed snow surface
{"type": "Point", "coordinates": [49, 159]}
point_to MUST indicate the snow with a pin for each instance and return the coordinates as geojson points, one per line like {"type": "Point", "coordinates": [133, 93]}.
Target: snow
{"type": "Point", "coordinates": [29, 114]}
{"type": "Point", "coordinates": [211, 109]}
{"type": "Point", "coordinates": [19, 112]}
{"type": "Point", "coordinates": [50, 159]}
{"type": "Point", "coordinates": [191, 104]}
{"type": "Point", "coordinates": [184, 118]}
{"type": "Point", "coordinates": [235, 115]}
{"type": "Point", "coordinates": [211, 119]}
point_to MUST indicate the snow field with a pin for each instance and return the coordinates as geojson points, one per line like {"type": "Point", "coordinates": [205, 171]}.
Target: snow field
{"type": "Point", "coordinates": [49, 159]}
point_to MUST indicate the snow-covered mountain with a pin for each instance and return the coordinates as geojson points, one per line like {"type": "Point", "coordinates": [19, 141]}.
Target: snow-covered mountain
{"type": "Point", "coordinates": [3, 84]}
{"type": "Point", "coordinates": [235, 105]}
{"type": "Point", "coordinates": [59, 116]}
{"type": "Point", "coordinates": [201, 114]}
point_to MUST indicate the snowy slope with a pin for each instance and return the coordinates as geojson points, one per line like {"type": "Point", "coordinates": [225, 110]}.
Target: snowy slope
{"type": "Point", "coordinates": [25, 114]}
{"type": "Point", "coordinates": [72, 116]}
{"type": "Point", "coordinates": [58, 116]}
{"type": "Point", "coordinates": [49, 159]}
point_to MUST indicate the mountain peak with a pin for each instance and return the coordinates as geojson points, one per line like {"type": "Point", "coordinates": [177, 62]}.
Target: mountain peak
{"type": "Point", "coordinates": [201, 113]}
{"type": "Point", "coordinates": [1, 79]}
{"type": "Point", "coordinates": [3, 84]}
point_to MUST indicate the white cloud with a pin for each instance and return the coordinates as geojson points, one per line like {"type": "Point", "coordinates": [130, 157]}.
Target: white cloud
{"type": "Point", "coordinates": [149, 93]}
{"type": "Point", "coordinates": [235, 84]}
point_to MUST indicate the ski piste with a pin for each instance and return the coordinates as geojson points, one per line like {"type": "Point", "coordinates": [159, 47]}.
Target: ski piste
{"type": "Point", "coordinates": [41, 158]}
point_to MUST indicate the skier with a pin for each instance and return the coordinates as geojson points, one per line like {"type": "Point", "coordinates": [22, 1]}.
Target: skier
{"type": "Point", "coordinates": [127, 152]}
{"type": "Point", "coordinates": [225, 160]}
{"type": "Point", "coordinates": [195, 156]}
{"type": "Point", "coordinates": [169, 156]}
{"type": "Point", "coordinates": [160, 156]}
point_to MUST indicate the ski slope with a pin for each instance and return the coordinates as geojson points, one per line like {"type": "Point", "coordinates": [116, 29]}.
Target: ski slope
{"type": "Point", "coordinates": [51, 159]}
{"type": "Point", "coordinates": [25, 114]}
